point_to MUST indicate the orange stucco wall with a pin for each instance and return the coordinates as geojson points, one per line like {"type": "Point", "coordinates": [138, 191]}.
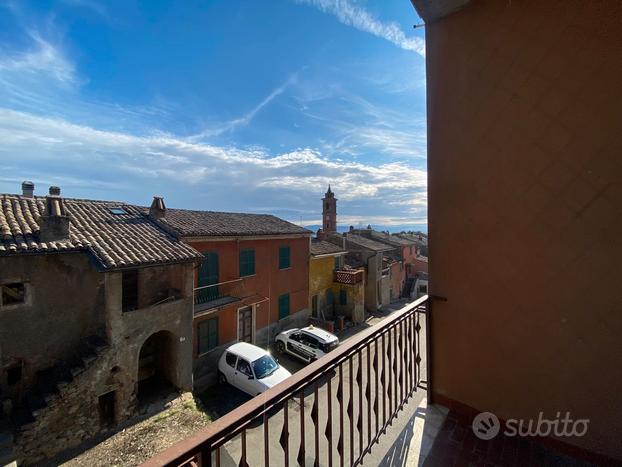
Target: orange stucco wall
{"type": "Point", "coordinates": [268, 281]}
{"type": "Point", "coordinates": [525, 211]}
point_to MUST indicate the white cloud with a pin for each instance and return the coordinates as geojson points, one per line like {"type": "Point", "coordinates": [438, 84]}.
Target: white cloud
{"type": "Point", "coordinates": [191, 173]}
{"type": "Point", "coordinates": [42, 58]}
{"type": "Point", "coordinates": [353, 15]}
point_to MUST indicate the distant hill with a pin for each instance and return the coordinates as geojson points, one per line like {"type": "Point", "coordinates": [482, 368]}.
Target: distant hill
{"type": "Point", "coordinates": [391, 228]}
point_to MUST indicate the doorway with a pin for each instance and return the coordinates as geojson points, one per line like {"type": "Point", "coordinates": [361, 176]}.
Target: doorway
{"type": "Point", "coordinates": [156, 367]}
{"type": "Point", "coordinates": [107, 409]}
{"type": "Point", "coordinates": [245, 324]}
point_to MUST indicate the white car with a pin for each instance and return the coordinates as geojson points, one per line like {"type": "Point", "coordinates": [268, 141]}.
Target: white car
{"type": "Point", "coordinates": [307, 344]}
{"type": "Point", "coordinates": [250, 369]}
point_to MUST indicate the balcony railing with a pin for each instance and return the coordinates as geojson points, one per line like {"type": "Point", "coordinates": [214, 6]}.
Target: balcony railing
{"type": "Point", "coordinates": [216, 295]}
{"type": "Point", "coordinates": [333, 410]}
{"type": "Point", "coordinates": [344, 276]}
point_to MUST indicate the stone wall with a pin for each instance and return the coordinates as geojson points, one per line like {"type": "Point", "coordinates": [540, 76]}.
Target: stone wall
{"type": "Point", "coordinates": [72, 416]}
{"type": "Point", "coordinates": [70, 413]}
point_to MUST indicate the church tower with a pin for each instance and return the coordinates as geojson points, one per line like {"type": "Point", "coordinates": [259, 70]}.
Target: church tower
{"type": "Point", "coordinates": [329, 212]}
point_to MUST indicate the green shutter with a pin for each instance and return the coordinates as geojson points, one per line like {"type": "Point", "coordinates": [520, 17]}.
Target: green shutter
{"type": "Point", "coordinates": [247, 262]}
{"type": "Point", "coordinates": [337, 263]}
{"type": "Point", "coordinates": [284, 261]}
{"type": "Point", "coordinates": [283, 306]}
{"type": "Point", "coordinates": [213, 333]}
{"type": "Point", "coordinates": [343, 297]}
{"type": "Point", "coordinates": [207, 335]}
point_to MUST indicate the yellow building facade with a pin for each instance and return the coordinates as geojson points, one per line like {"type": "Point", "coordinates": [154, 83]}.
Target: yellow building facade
{"type": "Point", "coordinates": [334, 291]}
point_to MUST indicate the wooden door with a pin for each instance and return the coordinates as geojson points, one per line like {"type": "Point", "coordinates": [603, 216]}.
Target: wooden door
{"type": "Point", "coordinates": [245, 324]}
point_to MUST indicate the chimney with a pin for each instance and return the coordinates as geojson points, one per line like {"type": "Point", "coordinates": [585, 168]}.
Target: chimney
{"type": "Point", "coordinates": [320, 234]}
{"type": "Point", "coordinates": [351, 228]}
{"type": "Point", "coordinates": [28, 189]}
{"type": "Point", "coordinates": [157, 210]}
{"type": "Point", "coordinates": [54, 223]}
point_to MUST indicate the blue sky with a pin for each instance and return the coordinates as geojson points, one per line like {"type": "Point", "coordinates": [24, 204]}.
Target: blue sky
{"type": "Point", "coordinates": [233, 105]}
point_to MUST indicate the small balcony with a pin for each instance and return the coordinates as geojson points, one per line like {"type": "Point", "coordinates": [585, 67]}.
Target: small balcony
{"type": "Point", "coordinates": [334, 411]}
{"type": "Point", "coordinates": [218, 295]}
{"type": "Point", "coordinates": [348, 276]}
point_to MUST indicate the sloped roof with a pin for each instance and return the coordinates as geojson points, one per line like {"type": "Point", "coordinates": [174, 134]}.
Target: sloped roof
{"type": "Point", "coordinates": [116, 241]}
{"type": "Point", "coordinates": [215, 224]}
{"type": "Point", "coordinates": [391, 239]}
{"type": "Point", "coordinates": [322, 247]}
{"type": "Point", "coordinates": [368, 243]}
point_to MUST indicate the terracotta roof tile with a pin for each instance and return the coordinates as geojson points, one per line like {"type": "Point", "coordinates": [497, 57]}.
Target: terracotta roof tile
{"type": "Point", "coordinates": [322, 247]}
{"type": "Point", "coordinates": [209, 223]}
{"type": "Point", "coordinates": [368, 243]}
{"type": "Point", "coordinates": [115, 240]}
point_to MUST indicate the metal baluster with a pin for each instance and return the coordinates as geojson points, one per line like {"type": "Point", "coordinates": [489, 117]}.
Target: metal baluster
{"type": "Point", "coordinates": [377, 391]}
{"type": "Point", "coordinates": [351, 408]}
{"type": "Point", "coordinates": [284, 439]}
{"type": "Point", "coordinates": [400, 376]}
{"type": "Point", "coordinates": [359, 420]}
{"type": "Point", "coordinates": [383, 377]}
{"type": "Point", "coordinates": [301, 451]}
{"type": "Point", "coordinates": [206, 456]}
{"type": "Point", "coordinates": [243, 462]}
{"type": "Point", "coordinates": [266, 440]}
{"type": "Point", "coordinates": [329, 423]}
{"type": "Point", "coordinates": [340, 400]}
{"type": "Point", "coordinates": [418, 342]}
{"type": "Point", "coordinates": [368, 394]}
{"type": "Point", "coordinates": [314, 417]}
{"type": "Point", "coordinates": [390, 378]}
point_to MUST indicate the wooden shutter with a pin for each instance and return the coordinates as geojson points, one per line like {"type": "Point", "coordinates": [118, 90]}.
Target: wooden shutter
{"type": "Point", "coordinates": [284, 257]}
{"type": "Point", "coordinates": [283, 306]}
{"type": "Point", "coordinates": [213, 333]}
{"type": "Point", "coordinates": [247, 262]}
{"type": "Point", "coordinates": [203, 336]}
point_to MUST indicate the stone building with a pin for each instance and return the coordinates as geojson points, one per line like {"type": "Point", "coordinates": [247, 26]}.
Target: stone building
{"type": "Point", "coordinates": [95, 314]}
{"type": "Point", "coordinates": [253, 282]}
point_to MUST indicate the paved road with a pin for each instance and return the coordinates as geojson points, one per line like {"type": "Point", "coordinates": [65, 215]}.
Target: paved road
{"type": "Point", "coordinates": [222, 399]}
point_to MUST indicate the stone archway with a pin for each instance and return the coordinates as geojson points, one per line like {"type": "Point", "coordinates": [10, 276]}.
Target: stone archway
{"type": "Point", "coordinates": [156, 366]}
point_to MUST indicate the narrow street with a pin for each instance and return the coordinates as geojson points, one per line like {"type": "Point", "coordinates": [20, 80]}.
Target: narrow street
{"type": "Point", "coordinates": [219, 400]}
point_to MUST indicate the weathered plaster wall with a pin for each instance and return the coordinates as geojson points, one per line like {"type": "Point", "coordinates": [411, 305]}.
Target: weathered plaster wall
{"type": "Point", "coordinates": [65, 304]}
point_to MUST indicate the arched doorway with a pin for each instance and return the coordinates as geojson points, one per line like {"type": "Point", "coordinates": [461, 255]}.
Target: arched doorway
{"type": "Point", "coordinates": [156, 367]}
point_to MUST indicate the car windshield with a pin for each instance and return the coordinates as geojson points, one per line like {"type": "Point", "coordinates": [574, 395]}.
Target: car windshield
{"type": "Point", "coordinates": [265, 366]}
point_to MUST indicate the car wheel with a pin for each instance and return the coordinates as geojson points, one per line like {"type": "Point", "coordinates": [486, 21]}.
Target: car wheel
{"type": "Point", "coordinates": [280, 347]}
{"type": "Point", "coordinates": [222, 379]}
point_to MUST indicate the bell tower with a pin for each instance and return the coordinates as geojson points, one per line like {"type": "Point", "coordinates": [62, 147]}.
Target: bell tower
{"type": "Point", "coordinates": [329, 212]}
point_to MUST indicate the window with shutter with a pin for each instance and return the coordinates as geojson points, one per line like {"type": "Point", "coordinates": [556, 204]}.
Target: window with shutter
{"type": "Point", "coordinates": [283, 306]}
{"type": "Point", "coordinates": [247, 262]}
{"type": "Point", "coordinates": [284, 257]}
{"type": "Point", "coordinates": [207, 335]}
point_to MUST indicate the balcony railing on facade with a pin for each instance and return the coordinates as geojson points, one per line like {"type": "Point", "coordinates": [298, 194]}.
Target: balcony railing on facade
{"type": "Point", "coordinates": [217, 295]}
{"type": "Point", "coordinates": [348, 276]}
{"type": "Point", "coordinates": [334, 410]}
